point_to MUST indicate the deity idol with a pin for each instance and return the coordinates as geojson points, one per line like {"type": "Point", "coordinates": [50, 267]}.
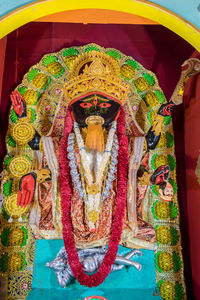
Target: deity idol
{"type": "Point", "coordinates": [79, 160]}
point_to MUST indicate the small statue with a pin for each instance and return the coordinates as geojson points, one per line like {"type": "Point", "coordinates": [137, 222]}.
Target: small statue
{"type": "Point", "coordinates": [91, 260]}
{"type": "Point", "coordinates": [166, 191]}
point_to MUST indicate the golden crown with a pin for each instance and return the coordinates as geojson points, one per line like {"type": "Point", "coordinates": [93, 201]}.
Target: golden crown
{"type": "Point", "coordinates": [95, 72]}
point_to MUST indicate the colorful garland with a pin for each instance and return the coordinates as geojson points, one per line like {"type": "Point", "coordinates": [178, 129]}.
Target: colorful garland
{"type": "Point", "coordinates": [66, 193]}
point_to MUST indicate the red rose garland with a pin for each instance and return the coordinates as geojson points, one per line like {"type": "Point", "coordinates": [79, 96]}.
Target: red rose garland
{"type": "Point", "coordinates": [66, 193]}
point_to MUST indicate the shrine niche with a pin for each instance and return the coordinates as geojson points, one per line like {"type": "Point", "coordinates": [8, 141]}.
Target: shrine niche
{"type": "Point", "coordinates": [90, 160]}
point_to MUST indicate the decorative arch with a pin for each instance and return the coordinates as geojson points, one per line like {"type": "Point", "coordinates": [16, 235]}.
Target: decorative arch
{"type": "Point", "coordinates": [143, 8]}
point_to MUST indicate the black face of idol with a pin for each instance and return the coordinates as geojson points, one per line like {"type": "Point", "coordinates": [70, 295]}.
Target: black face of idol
{"type": "Point", "coordinates": [95, 105]}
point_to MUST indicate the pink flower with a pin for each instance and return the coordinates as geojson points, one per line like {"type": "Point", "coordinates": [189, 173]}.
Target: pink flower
{"type": "Point", "coordinates": [57, 91]}
{"type": "Point", "coordinates": [25, 285]}
{"type": "Point", "coordinates": [134, 107]}
{"type": "Point", "coordinates": [48, 107]}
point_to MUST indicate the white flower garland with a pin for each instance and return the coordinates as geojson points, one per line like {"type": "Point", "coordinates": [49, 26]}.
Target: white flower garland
{"type": "Point", "coordinates": [72, 163]}
{"type": "Point", "coordinates": [105, 157]}
{"type": "Point", "coordinates": [92, 201]}
{"type": "Point", "coordinates": [112, 166]}
{"type": "Point", "coordinates": [112, 169]}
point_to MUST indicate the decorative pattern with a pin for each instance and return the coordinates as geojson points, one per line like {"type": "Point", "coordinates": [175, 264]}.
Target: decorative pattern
{"type": "Point", "coordinates": [165, 217]}
{"type": "Point", "coordinates": [94, 71]}
{"type": "Point", "coordinates": [19, 285]}
{"type": "Point", "coordinates": [16, 257]}
{"type": "Point", "coordinates": [19, 166]}
{"type": "Point", "coordinates": [23, 132]}
{"type": "Point", "coordinates": [30, 96]}
{"type": "Point", "coordinates": [11, 207]}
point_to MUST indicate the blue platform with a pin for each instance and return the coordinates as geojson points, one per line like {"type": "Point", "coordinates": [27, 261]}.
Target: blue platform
{"type": "Point", "coordinates": [126, 284]}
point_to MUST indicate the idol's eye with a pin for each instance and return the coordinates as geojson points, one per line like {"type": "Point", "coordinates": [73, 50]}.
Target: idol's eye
{"type": "Point", "coordinates": [85, 104]}
{"type": "Point", "coordinates": [105, 105]}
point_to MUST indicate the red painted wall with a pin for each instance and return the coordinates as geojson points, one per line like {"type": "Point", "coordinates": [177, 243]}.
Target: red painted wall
{"type": "Point", "coordinates": [192, 151]}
